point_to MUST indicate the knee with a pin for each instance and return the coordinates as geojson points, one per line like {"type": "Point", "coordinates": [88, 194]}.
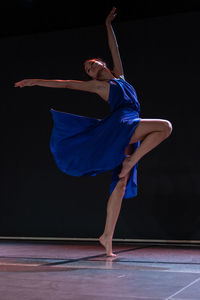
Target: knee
{"type": "Point", "coordinates": [167, 127]}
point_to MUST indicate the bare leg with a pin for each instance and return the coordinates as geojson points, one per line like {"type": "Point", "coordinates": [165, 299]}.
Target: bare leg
{"type": "Point", "coordinates": [152, 132]}
{"type": "Point", "coordinates": [113, 210]}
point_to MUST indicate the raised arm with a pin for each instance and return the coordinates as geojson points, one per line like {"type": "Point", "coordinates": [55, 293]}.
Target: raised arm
{"type": "Point", "coordinates": [112, 42]}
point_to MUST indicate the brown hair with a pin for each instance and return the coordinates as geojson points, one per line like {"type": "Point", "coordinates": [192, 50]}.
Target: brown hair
{"type": "Point", "coordinates": [98, 58]}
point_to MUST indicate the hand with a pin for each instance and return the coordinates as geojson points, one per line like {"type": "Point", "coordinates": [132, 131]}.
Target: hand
{"type": "Point", "coordinates": [111, 16]}
{"type": "Point", "coordinates": [26, 82]}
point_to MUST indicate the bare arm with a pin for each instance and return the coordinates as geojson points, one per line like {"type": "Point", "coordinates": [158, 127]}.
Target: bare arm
{"type": "Point", "coordinates": [95, 86]}
{"type": "Point", "coordinates": [112, 42]}
{"type": "Point", "coordinates": [88, 86]}
{"type": "Point", "coordinates": [54, 83]}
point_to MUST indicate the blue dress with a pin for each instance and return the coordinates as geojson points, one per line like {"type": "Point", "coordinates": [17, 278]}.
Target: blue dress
{"type": "Point", "coordinates": [84, 146]}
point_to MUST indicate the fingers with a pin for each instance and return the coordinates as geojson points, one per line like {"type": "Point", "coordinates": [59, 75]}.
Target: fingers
{"type": "Point", "coordinates": [16, 84]}
{"type": "Point", "coordinates": [112, 14]}
{"type": "Point", "coordinates": [113, 10]}
{"type": "Point", "coordinates": [25, 82]}
{"type": "Point", "coordinates": [19, 84]}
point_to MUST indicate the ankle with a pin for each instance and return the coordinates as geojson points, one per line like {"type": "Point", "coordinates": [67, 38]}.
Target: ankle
{"type": "Point", "coordinates": [107, 236]}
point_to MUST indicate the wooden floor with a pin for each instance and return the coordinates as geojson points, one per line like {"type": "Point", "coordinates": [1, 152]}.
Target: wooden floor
{"type": "Point", "coordinates": [80, 271]}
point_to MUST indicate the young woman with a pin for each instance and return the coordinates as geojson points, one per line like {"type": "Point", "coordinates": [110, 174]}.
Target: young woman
{"type": "Point", "coordinates": [83, 146]}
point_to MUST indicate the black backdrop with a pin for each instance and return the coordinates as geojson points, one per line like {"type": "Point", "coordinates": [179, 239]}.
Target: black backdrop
{"type": "Point", "coordinates": [161, 60]}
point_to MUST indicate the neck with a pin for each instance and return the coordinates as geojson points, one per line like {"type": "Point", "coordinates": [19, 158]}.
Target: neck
{"type": "Point", "coordinates": [105, 74]}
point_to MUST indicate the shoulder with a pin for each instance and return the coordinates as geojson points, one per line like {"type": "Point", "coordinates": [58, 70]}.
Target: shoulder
{"type": "Point", "coordinates": [118, 74]}
{"type": "Point", "coordinates": [96, 85]}
{"type": "Point", "coordinates": [103, 87]}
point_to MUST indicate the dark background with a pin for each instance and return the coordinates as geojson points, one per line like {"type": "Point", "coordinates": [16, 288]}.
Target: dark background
{"type": "Point", "coordinates": [159, 48]}
{"type": "Point", "coordinates": [30, 16]}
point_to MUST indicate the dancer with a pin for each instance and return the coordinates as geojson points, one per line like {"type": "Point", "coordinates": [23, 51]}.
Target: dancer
{"type": "Point", "coordinates": [83, 146]}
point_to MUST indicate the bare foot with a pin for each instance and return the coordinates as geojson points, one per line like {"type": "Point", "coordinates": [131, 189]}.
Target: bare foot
{"type": "Point", "coordinates": [107, 244]}
{"type": "Point", "coordinates": [126, 167]}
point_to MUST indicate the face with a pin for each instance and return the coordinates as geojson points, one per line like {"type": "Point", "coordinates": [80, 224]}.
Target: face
{"type": "Point", "coordinates": [92, 67]}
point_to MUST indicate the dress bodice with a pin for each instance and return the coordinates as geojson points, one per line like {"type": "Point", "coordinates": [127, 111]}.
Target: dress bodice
{"type": "Point", "coordinates": [121, 94]}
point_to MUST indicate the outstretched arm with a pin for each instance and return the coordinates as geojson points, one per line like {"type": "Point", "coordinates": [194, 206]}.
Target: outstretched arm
{"type": "Point", "coordinates": [112, 42]}
{"type": "Point", "coordinates": [88, 86]}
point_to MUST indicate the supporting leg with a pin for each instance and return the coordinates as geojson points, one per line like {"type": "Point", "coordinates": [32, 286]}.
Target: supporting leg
{"type": "Point", "coordinates": [113, 210]}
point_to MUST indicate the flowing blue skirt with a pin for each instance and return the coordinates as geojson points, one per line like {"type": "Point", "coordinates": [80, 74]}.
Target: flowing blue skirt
{"type": "Point", "coordinates": [84, 146]}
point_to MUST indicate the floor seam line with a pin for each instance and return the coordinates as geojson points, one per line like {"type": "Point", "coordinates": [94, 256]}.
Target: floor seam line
{"type": "Point", "coordinates": [181, 290]}
{"type": "Point", "coordinates": [89, 257]}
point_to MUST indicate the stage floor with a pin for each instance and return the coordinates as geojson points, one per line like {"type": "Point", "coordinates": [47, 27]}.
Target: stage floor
{"type": "Point", "coordinates": [81, 271]}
